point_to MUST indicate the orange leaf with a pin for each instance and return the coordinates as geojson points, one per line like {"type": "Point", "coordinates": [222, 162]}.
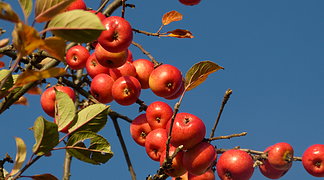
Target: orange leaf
{"type": "Point", "coordinates": [7, 13]}
{"type": "Point", "coordinates": [180, 33]}
{"type": "Point", "coordinates": [35, 90]}
{"type": "Point", "coordinates": [170, 17]}
{"type": "Point", "coordinates": [26, 39]}
{"type": "Point", "coordinates": [55, 46]}
{"type": "Point", "coordinates": [31, 76]}
{"type": "Point", "coordinates": [44, 177]}
{"type": "Point", "coordinates": [22, 101]}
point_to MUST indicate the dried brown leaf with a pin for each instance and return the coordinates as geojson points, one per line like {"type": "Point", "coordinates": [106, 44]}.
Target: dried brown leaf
{"type": "Point", "coordinates": [180, 33]}
{"type": "Point", "coordinates": [22, 101]}
{"type": "Point", "coordinates": [55, 46]}
{"type": "Point", "coordinates": [7, 13]}
{"type": "Point", "coordinates": [170, 17]}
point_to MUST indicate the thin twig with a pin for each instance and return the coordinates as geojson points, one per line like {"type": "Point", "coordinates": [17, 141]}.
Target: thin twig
{"type": "Point", "coordinates": [26, 167]}
{"type": "Point", "coordinates": [227, 137]}
{"type": "Point", "coordinates": [225, 99]}
{"type": "Point", "coordinates": [146, 53]}
{"type": "Point", "coordinates": [123, 8]}
{"type": "Point", "coordinates": [102, 5]}
{"type": "Point", "coordinates": [112, 7]}
{"type": "Point", "coordinates": [67, 166]}
{"type": "Point", "coordinates": [122, 143]}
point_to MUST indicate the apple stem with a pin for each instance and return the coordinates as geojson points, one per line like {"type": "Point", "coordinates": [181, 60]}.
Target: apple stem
{"type": "Point", "coordinates": [225, 99]}
{"type": "Point", "coordinates": [156, 64]}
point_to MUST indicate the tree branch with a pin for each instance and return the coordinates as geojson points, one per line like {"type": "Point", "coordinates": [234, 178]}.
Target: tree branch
{"type": "Point", "coordinates": [122, 143]}
{"type": "Point", "coordinates": [147, 54]}
{"type": "Point", "coordinates": [225, 99]}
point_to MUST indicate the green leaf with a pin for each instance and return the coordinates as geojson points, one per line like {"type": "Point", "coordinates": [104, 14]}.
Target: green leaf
{"type": "Point", "coordinates": [46, 136]}
{"type": "Point", "coordinates": [9, 82]}
{"type": "Point", "coordinates": [26, 6]}
{"type": "Point", "coordinates": [91, 118]}
{"type": "Point", "coordinates": [44, 177]}
{"type": "Point", "coordinates": [45, 10]}
{"type": "Point", "coordinates": [97, 152]}
{"type": "Point", "coordinates": [20, 156]}
{"type": "Point", "coordinates": [199, 72]}
{"type": "Point", "coordinates": [76, 25]}
{"type": "Point", "coordinates": [64, 110]}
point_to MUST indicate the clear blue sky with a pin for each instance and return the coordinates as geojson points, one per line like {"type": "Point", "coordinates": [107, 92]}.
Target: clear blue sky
{"type": "Point", "coordinates": [273, 55]}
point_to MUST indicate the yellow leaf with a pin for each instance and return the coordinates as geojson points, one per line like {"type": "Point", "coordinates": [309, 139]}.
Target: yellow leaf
{"type": "Point", "coordinates": [55, 46]}
{"type": "Point", "coordinates": [4, 42]}
{"type": "Point", "coordinates": [170, 17]}
{"type": "Point", "coordinates": [22, 101]}
{"type": "Point", "coordinates": [31, 76]}
{"type": "Point", "coordinates": [26, 39]}
{"type": "Point", "coordinates": [7, 13]}
{"type": "Point", "coordinates": [180, 33]}
{"type": "Point", "coordinates": [20, 155]}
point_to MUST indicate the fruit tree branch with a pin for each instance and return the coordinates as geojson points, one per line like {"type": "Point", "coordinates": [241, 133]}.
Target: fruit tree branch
{"type": "Point", "coordinates": [147, 54]}
{"type": "Point", "coordinates": [225, 99]}
{"type": "Point", "coordinates": [228, 136]}
{"type": "Point", "coordinates": [122, 143]}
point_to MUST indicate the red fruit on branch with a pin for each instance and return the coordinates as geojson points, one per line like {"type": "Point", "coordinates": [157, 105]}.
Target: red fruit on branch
{"type": "Point", "coordinates": [208, 175]}
{"type": "Point", "coordinates": [47, 99]}
{"type": "Point", "coordinates": [127, 69]}
{"type": "Point", "coordinates": [139, 129]}
{"type": "Point", "coordinates": [155, 143]}
{"type": "Point", "coordinates": [313, 160]}
{"type": "Point", "coordinates": [188, 130]}
{"type": "Point", "coordinates": [235, 164]}
{"type": "Point", "coordinates": [76, 57]}
{"type": "Point", "coordinates": [126, 90]}
{"type": "Point", "coordinates": [94, 68]}
{"type": "Point", "coordinates": [144, 69]}
{"type": "Point", "coordinates": [101, 88]}
{"type": "Point", "coordinates": [165, 80]}
{"type": "Point", "coordinates": [280, 155]}
{"type": "Point", "coordinates": [177, 168]}
{"type": "Point", "coordinates": [270, 172]}
{"type": "Point", "coordinates": [198, 159]}
{"type": "Point", "coordinates": [110, 59]}
{"type": "Point", "coordinates": [158, 114]}
{"type": "Point", "coordinates": [118, 34]}
{"type": "Point", "coordinates": [190, 2]}
{"type": "Point", "coordinates": [77, 4]}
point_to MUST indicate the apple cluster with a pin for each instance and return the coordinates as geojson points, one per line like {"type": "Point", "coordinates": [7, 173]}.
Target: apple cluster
{"type": "Point", "coordinates": [151, 129]}
{"type": "Point", "coordinates": [116, 76]}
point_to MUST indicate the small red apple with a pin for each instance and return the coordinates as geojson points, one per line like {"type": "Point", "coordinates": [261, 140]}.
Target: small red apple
{"type": "Point", "coordinates": [198, 159]}
{"type": "Point", "coordinates": [47, 99]}
{"type": "Point", "coordinates": [158, 114]}
{"type": "Point", "coordinates": [127, 69]}
{"type": "Point", "coordinates": [94, 67]}
{"type": "Point", "coordinates": [144, 69]}
{"type": "Point", "coordinates": [188, 130]}
{"type": "Point", "coordinates": [177, 168]}
{"type": "Point", "coordinates": [118, 34]}
{"type": "Point", "coordinates": [155, 143]}
{"type": "Point", "coordinates": [101, 88]}
{"type": "Point", "coordinates": [165, 80]}
{"type": "Point", "coordinates": [182, 177]}
{"type": "Point", "coordinates": [139, 129]}
{"type": "Point", "coordinates": [280, 155]}
{"type": "Point", "coordinates": [313, 160]}
{"type": "Point", "coordinates": [235, 164]}
{"type": "Point", "coordinates": [208, 175]}
{"type": "Point", "coordinates": [126, 90]}
{"type": "Point", "coordinates": [77, 56]}
{"type": "Point", "coordinates": [268, 171]}
{"type": "Point", "coordinates": [77, 4]}
{"type": "Point", "coordinates": [129, 56]}
{"type": "Point", "coordinates": [110, 59]}
{"type": "Point", "coordinates": [178, 93]}
{"type": "Point", "coordinates": [190, 2]}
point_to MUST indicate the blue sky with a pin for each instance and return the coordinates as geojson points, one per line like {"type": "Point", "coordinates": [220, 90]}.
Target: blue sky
{"type": "Point", "coordinates": [272, 52]}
